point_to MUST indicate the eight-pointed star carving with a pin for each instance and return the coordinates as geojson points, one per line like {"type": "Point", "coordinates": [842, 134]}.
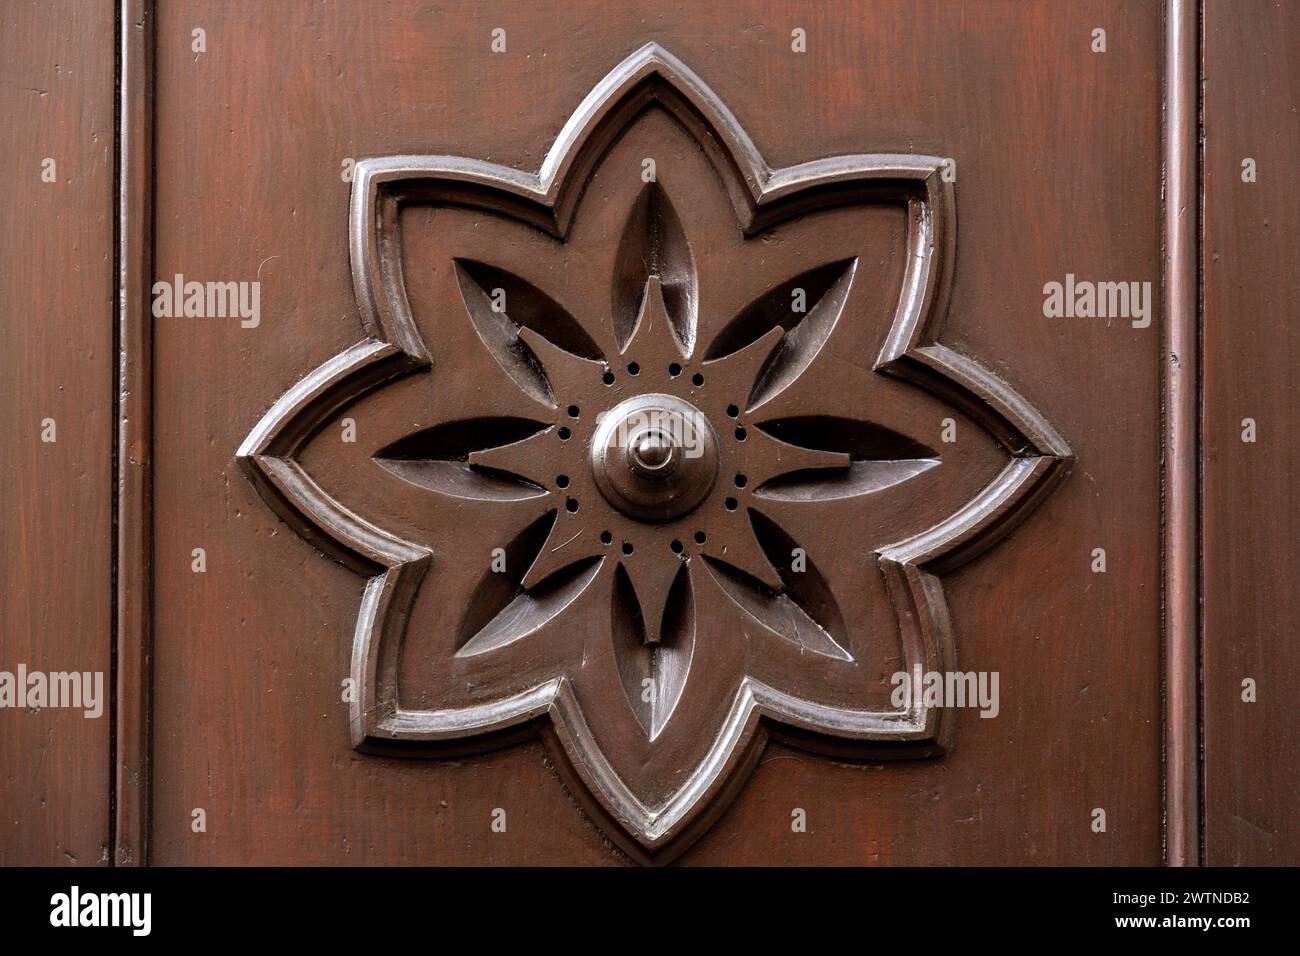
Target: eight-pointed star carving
{"type": "Point", "coordinates": [625, 473]}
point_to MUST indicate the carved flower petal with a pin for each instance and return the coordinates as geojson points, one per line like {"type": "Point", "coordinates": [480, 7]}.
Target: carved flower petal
{"type": "Point", "coordinates": [807, 308]}
{"type": "Point", "coordinates": [654, 244]}
{"type": "Point", "coordinates": [736, 547]}
{"type": "Point", "coordinates": [860, 478]}
{"type": "Point", "coordinates": [802, 609]}
{"type": "Point", "coordinates": [777, 612]}
{"type": "Point", "coordinates": [501, 611]}
{"type": "Point", "coordinates": [654, 339]}
{"type": "Point", "coordinates": [775, 308]}
{"type": "Point", "coordinates": [439, 458]}
{"type": "Point", "coordinates": [530, 611]}
{"type": "Point", "coordinates": [653, 672]}
{"type": "Point", "coordinates": [569, 541]}
{"type": "Point", "coordinates": [874, 457]}
{"type": "Point", "coordinates": [860, 440]}
{"type": "Point", "coordinates": [803, 341]}
{"type": "Point", "coordinates": [501, 304]}
{"type": "Point", "coordinates": [459, 480]}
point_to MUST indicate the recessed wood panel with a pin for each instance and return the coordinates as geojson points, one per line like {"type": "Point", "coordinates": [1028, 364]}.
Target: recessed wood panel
{"type": "Point", "coordinates": [1058, 171]}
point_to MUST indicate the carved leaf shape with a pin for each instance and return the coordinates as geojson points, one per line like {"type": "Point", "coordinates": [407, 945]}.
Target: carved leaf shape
{"type": "Point", "coordinates": [501, 612]}
{"type": "Point", "coordinates": [437, 458]}
{"type": "Point", "coordinates": [879, 458]}
{"type": "Point", "coordinates": [498, 588]}
{"type": "Point", "coordinates": [803, 612]}
{"type": "Point", "coordinates": [654, 244]}
{"type": "Point", "coordinates": [807, 588]}
{"type": "Point", "coordinates": [485, 289]}
{"type": "Point", "coordinates": [824, 290]}
{"type": "Point", "coordinates": [665, 664]}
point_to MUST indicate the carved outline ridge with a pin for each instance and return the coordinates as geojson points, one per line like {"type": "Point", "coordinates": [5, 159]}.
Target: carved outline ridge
{"type": "Point", "coordinates": [762, 197]}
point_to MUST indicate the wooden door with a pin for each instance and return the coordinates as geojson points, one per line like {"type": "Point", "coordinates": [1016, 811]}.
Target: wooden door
{"type": "Point", "coordinates": [604, 433]}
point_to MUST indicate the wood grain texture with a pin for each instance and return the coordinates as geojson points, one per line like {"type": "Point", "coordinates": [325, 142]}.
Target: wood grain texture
{"type": "Point", "coordinates": [1251, 563]}
{"type": "Point", "coordinates": [1059, 171]}
{"type": "Point", "coordinates": [57, 295]}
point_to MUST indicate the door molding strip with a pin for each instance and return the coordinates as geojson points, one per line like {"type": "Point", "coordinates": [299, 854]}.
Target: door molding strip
{"type": "Point", "coordinates": [132, 638]}
{"type": "Point", "coordinates": [1180, 360]}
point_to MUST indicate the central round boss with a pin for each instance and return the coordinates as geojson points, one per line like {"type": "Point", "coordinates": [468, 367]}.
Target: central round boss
{"type": "Point", "coordinates": [654, 456]}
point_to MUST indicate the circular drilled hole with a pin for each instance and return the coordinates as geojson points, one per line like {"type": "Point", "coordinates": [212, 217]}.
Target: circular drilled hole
{"type": "Point", "coordinates": [573, 411]}
{"type": "Point", "coordinates": [741, 481]}
{"type": "Point", "coordinates": [674, 370]}
{"type": "Point", "coordinates": [732, 504]}
{"type": "Point", "coordinates": [633, 368]}
{"type": "Point", "coordinates": [733, 411]}
{"type": "Point", "coordinates": [608, 378]}
{"type": "Point", "coordinates": [741, 434]}
{"type": "Point", "coordinates": [606, 538]}
{"type": "Point", "coordinates": [697, 379]}
{"type": "Point", "coordinates": [561, 481]}
{"type": "Point", "coordinates": [571, 505]}
{"type": "Point", "coordinates": [627, 547]}
{"type": "Point", "coordinates": [564, 433]}
{"type": "Point", "coordinates": [677, 546]}
{"type": "Point", "coordinates": [700, 537]}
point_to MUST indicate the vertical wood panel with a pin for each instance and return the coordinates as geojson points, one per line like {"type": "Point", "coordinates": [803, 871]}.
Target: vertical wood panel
{"type": "Point", "coordinates": [56, 361]}
{"type": "Point", "coordinates": [1252, 357]}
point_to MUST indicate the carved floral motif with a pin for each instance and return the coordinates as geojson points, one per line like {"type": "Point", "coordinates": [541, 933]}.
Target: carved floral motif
{"type": "Point", "coordinates": [671, 589]}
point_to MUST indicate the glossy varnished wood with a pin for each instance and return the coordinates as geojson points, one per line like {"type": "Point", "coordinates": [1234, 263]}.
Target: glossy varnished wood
{"type": "Point", "coordinates": [1181, 372]}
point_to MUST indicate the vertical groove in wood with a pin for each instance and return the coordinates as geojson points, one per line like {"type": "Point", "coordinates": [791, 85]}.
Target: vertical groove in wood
{"type": "Point", "coordinates": [1181, 458]}
{"type": "Point", "coordinates": [133, 572]}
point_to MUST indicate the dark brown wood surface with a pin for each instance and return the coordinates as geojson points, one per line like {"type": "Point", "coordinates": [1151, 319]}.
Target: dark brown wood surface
{"type": "Point", "coordinates": [231, 740]}
{"type": "Point", "coordinates": [1058, 171]}
{"type": "Point", "coordinates": [1251, 562]}
{"type": "Point", "coordinates": [56, 362]}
